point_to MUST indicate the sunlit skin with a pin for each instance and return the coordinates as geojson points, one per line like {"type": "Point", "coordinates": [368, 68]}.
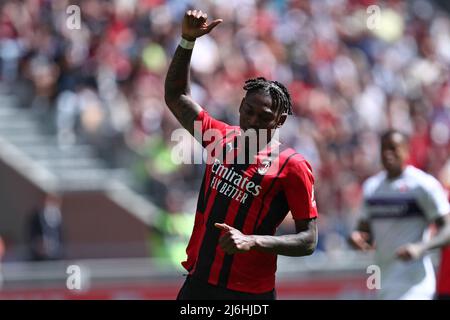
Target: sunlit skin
{"type": "Point", "coordinates": [257, 112]}
{"type": "Point", "coordinates": [394, 154]}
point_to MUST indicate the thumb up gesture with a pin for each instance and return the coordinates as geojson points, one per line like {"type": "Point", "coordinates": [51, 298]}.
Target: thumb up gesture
{"type": "Point", "coordinates": [195, 24]}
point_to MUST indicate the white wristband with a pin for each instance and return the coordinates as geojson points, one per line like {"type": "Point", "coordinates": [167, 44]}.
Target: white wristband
{"type": "Point", "coordinates": [185, 44]}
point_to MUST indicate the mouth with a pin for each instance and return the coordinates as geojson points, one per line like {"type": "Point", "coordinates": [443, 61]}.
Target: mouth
{"type": "Point", "coordinates": [389, 161]}
{"type": "Point", "coordinates": [247, 127]}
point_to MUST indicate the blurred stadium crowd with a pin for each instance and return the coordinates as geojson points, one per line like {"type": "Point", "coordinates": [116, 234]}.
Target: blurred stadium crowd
{"type": "Point", "coordinates": [103, 84]}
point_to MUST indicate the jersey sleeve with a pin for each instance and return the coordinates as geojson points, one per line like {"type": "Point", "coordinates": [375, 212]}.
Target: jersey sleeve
{"type": "Point", "coordinates": [208, 130]}
{"type": "Point", "coordinates": [363, 209]}
{"type": "Point", "coordinates": [299, 189]}
{"type": "Point", "coordinates": [434, 199]}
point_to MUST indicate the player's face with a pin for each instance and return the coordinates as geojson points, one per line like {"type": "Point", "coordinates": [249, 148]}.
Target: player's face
{"type": "Point", "coordinates": [256, 112]}
{"type": "Point", "coordinates": [394, 153]}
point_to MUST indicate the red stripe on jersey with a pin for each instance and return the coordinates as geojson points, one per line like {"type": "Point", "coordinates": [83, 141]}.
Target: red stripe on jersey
{"type": "Point", "coordinates": [198, 230]}
{"type": "Point", "coordinates": [230, 220]}
{"type": "Point", "coordinates": [443, 281]}
{"type": "Point", "coordinates": [209, 196]}
{"type": "Point", "coordinates": [243, 275]}
{"type": "Point", "coordinates": [269, 197]}
{"type": "Point", "coordinates": [273, 188]}
{"type": "Point", "coordinates": [220, 254]}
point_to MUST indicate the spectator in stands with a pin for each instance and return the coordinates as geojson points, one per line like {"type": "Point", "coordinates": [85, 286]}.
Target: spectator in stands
{"type": "Point", "coordinates": [45, 234]}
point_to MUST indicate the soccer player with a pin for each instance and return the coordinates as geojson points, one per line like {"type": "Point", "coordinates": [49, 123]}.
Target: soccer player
{"type": "Point", "coordinates": [232, 253]}
{"type": "Point", "coordinates": [399, 204]}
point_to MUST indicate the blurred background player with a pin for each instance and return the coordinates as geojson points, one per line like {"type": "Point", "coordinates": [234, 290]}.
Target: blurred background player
{"type": "Point", "coordinates": [102, 86]}
{"type": "Point", "coordinates": [399, 204]}
{"type": "Point", "coordinates": [232, 253]}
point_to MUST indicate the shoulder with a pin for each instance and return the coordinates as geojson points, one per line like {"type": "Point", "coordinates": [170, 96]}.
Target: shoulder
{"type": "Point", "coordinates": [209, 130]}
{"type": "Point", "coordinates": [372, 183]}
{"type": "Point", "coordinates": [205, 116]}
{"type": "Point", "coordinates": [424, 180]}
{"type": "Point", "coordinates": [293, 163]}
{"type": "Point", "coordinates": [419, 175]}
{"type": "Point", "coordinates": [209, 122]}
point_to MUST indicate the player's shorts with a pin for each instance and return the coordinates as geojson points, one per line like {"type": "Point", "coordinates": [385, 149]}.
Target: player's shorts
{"type": "Point", "coordinates": [197, 289]}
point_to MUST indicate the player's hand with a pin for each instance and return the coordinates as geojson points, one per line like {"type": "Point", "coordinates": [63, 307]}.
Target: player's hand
{"type": "Point", "coordinates": [410, 251]}
{"type": "Point", "coordinates": [360, 240]}
{"type": "Point", "coordinates": [195, 24]}
{"type": "Point", "coordinates": [234, 241]}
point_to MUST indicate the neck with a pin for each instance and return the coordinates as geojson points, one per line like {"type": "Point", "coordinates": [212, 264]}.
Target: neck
{"type": "Point", "coordinates": [395, 173]}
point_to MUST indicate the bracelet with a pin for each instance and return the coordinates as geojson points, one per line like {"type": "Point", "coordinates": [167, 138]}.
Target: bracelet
{"type": "Point", "coordinates": [185, 44]}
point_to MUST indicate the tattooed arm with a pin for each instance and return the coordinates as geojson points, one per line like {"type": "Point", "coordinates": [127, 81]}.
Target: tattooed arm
{"type": "Point", "coordinates": [177, 91]}
{"type": "Point", "coordinates": [302, 243]}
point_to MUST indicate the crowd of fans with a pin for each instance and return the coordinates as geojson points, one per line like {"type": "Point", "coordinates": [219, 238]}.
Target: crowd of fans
{"type": "Point", "coordinates": [351, 75]}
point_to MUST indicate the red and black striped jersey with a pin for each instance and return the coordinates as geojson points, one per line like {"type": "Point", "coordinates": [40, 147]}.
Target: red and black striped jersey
{"type": "Point", "coordinates": [253, 197]}
{"type": "Point", "coordinates": [443, 279]}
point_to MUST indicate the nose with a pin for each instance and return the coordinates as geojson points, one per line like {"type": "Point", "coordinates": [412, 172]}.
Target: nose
{"type": "Point", "coordinates": [388, 155]}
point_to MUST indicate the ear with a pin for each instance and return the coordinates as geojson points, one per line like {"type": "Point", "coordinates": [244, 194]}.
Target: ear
{"type": "Point", "coordinates": [282, 119]}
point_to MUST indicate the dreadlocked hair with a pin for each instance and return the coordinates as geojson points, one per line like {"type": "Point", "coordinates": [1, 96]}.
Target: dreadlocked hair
{"type": "Point", "coordinates": [278, 92]}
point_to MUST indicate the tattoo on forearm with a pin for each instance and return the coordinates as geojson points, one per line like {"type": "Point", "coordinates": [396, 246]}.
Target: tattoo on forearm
{"type": "Point", "coordinates": [177, 89]}
{"type": "Point", "coordinates": [185, 112]}
{"type": "Point", "coordinates": [177, 80]}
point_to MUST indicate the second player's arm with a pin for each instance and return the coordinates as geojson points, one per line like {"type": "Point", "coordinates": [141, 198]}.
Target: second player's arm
{"type": "Point", "coordinates": [361, 238]}
{"type": "Point", "coordinates": [441, 239]}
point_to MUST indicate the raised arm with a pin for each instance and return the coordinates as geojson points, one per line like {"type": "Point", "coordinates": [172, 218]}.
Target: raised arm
{"type": "Point", "coordinates": [177, 91]}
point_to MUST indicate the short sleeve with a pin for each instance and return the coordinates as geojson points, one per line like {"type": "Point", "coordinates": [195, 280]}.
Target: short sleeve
{"type": "Point", "coordinates": [299, 189]}
{"type": "Point", "coordinates": [363, 209]}
{"type": "Point", "coordinates": [207, 129]}
{"type": "Point", "coordinates": [435, 199]}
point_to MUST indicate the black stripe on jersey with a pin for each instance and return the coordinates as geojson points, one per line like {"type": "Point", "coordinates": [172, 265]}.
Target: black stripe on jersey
{"type": "Point", "coordinates": [278, 210]}
{"type": "Point", "coordinates": [238, 223]}
{"type": "Point", "coordinates": [219, 211]}
{"type": "Point", "coordinates": [268, 190]}
{"type": "Point", "coordinates": [402, 207]}
{"type": "Point", "coordinates": [205, 197]}
{"type": "Point", "coordinates": [201, 206]}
